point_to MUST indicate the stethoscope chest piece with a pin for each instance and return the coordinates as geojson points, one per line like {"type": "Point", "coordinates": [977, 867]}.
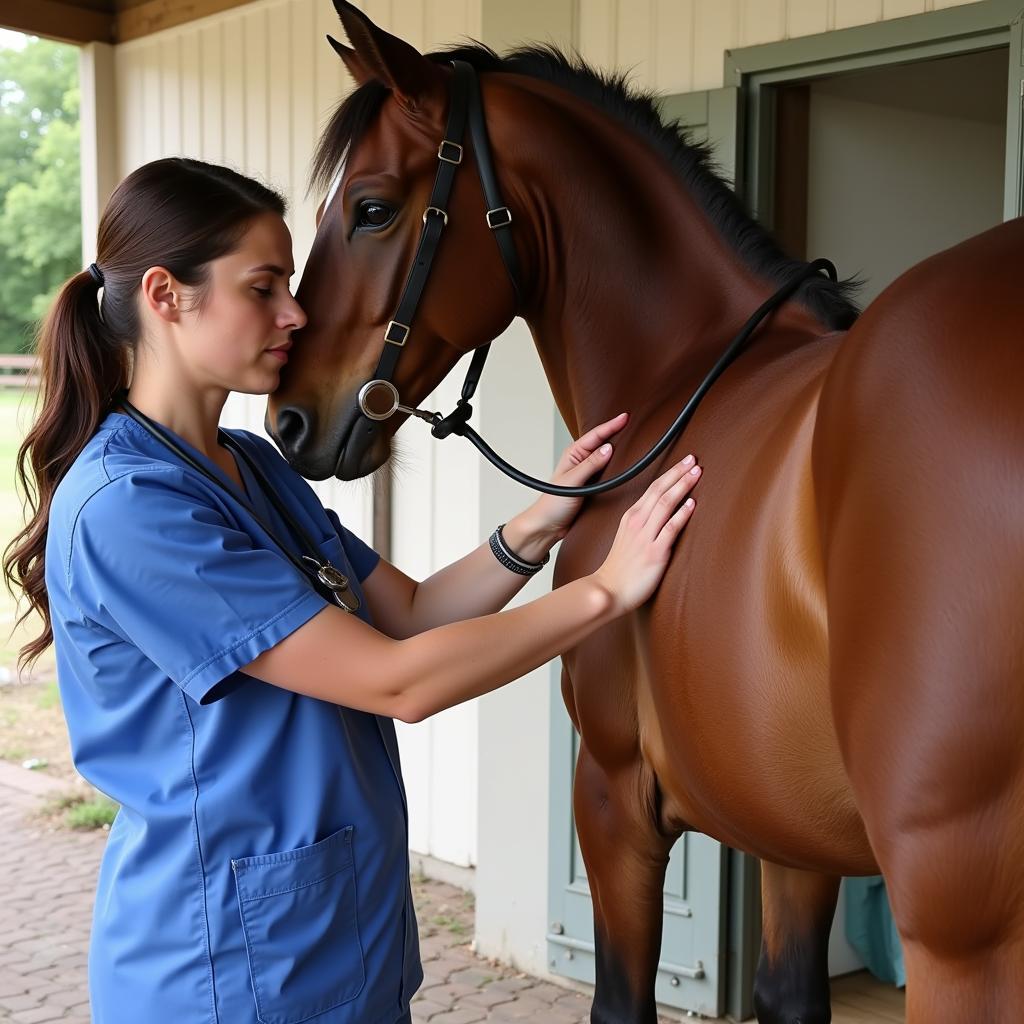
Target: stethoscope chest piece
{"type": "Point", "coordinates": [336, 582]}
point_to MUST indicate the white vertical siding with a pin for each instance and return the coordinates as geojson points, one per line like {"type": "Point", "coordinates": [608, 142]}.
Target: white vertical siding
{"type": "Point", "coordinates": [761, 21]}
{"type": "Point", "coordinates": [807, 17]}
{"type": "Point", "coordinates": [252, 88]}
{"type": "Point", "coordinates": [679, 45]}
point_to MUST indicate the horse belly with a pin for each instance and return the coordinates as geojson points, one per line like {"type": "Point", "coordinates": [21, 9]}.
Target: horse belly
{"type": "Point", "coordinates": [733, 697]}
{"type": "Point", "coordinates": [768, 780]}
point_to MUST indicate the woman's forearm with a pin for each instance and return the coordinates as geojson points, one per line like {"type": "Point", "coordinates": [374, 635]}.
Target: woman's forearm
{"type": "Point", "coordinates": [456, 662]}
{"type": "Point", "coordinates": [478, 583]}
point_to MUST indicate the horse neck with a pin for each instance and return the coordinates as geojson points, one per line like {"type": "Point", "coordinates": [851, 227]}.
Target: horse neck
{"type": "Point", "coordinates": [633, 292]}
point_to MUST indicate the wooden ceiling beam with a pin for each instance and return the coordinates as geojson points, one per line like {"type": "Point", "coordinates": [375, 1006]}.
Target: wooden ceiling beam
{"type": "Point", "coordinates": [151, 16]}
{"type": "Point", "coordinates": [55, 19]}
{"type": "Point", "coordinates": [105, 21]}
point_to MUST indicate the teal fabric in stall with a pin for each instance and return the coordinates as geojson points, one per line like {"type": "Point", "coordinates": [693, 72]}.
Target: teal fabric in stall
{"type": "Point", "coordinates": [871, 930]}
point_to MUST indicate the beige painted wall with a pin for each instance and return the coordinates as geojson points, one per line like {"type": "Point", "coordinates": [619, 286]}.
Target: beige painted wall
{"type": "Point", "coordinates": [678, 45]}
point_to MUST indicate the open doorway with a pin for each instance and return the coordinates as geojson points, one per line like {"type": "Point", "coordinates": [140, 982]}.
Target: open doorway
{"type": "Point", "coordinates": [877, 169]}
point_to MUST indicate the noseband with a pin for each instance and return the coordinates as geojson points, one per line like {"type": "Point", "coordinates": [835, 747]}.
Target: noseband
{"type": "Point", "coordinates": [379, 398]}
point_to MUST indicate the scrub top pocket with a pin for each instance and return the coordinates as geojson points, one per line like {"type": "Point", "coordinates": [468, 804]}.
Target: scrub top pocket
{"type": "Point", "coordinates": [301, 931]}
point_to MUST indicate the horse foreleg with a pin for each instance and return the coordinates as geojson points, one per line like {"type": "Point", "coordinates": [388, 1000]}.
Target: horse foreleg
{"type": "Point", "coordinates": [626, 856]}
{"type": "Point", "coordinates": [791, 985]}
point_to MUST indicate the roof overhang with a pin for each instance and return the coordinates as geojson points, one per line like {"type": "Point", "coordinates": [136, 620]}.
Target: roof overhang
{"type": "Point", "coordinates": [105, 21]}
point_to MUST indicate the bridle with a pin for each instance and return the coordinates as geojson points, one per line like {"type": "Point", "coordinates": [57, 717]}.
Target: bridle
{"type": "Point", "coordinates": [379, 398]}
{"type": "Point", "coordinates": [379, 391]}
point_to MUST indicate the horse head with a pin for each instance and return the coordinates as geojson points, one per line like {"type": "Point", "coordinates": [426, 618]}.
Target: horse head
{"type": "Point", "coordinates": [378, 160]}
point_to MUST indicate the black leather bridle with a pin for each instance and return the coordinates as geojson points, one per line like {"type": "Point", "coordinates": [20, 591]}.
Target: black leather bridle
{"type": "Point", "coordinates": [379, 398]}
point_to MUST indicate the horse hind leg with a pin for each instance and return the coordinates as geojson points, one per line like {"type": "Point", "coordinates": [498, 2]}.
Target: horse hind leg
{"type": "Point", "coordinates": [929, 709]}
{"type": "Point", "coordinates": [957, 891]}
{"type": "Point", "coordinates": [791, 985]}
{"type": "Point", "coordinates": [919, 482]}
{"type": "Point", "coordinates": [626, 856]}
{"type": "Point", "coordinates": [926, 680]}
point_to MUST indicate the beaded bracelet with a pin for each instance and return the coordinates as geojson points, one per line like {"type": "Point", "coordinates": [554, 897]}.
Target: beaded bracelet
{"type": "Point", "coordinates": [504, 554]}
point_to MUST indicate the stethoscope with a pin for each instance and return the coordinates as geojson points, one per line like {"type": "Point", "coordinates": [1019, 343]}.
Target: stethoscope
{"type": "Point", "coordinates": [327, 579]}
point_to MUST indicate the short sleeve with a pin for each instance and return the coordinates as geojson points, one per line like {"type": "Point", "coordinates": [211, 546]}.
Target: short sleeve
{"type": "Point", "coordinates": [361, 556]}
{"type": "Point", "coordinates": [154, 560]}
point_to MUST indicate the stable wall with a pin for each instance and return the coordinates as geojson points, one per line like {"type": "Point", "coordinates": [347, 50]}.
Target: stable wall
{"type": "Point", "coordinates": [677, 45]}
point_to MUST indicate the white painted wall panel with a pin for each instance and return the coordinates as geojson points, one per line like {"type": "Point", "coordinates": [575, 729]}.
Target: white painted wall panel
{"type": "Point", "coordinates": [761, 21]}
{"type": "Point", "coordinates": [806, 17]}
{"type": "Point", "coordinates": [674, 26]}
{"type": "Point", "coordinates": [857, 12]}
{"type": "Point", "coordinates": [679, 45]}
{"type": "Point", "coordinates": [902, 8]}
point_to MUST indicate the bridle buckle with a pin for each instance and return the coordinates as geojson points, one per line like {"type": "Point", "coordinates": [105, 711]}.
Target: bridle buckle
{"type": "Point", "coordinates": [499, 218]}
{"type": "Point", "coordinates": [435, 209]}
{"type": "Point", "coordinates": [446, 150]}
{"type": "Point", "coordinates": [396, 333]}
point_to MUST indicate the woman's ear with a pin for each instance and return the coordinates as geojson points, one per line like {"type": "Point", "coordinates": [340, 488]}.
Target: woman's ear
{"type": "Point", "coordinates": [376, 54]}
{"type": "Point", "coordinates": [162, 294]}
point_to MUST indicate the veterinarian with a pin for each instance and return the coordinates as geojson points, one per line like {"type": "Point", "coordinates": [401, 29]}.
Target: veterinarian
{"type": "Point", "coordinates": [237, 707]}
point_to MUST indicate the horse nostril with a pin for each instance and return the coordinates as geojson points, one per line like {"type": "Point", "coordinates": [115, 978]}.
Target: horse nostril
{"type": "Point", "coordinates": [294, 430]}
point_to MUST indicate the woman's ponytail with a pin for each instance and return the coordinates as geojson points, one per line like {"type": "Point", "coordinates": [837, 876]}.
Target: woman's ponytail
{"type": "Point", "coordinates": [176, 213]}
{"type": "Point", "coordinates": [79, 371]}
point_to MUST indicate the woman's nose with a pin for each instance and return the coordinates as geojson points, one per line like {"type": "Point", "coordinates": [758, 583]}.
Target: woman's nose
{"type": "Point", "coordinates": [295, 316]}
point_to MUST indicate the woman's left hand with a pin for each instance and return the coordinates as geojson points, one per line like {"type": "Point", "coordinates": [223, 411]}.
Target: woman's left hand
{"type": "Point", "coordinates": [553, 514]}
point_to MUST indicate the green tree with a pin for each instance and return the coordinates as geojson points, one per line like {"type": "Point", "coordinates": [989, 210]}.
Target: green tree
{"type": "Point", "coordinates": [40, 196]}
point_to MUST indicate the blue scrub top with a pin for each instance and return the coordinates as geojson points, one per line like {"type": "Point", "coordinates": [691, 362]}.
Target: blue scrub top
{"type": "Point", "coordinates": [258, 868]}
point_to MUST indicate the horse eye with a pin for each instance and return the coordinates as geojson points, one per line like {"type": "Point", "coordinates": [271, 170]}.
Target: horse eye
{"type": "Point", "coordinates": [373, 214]}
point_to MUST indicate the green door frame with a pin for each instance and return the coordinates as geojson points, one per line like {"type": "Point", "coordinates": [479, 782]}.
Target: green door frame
{"type": "Point", "coordinates": [755, 70]}
{"type": "Point", "coordinates": [1015, 124]}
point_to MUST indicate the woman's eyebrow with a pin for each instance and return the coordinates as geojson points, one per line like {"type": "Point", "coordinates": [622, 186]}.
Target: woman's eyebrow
{"type": "Point", "coordinates": [273, 268]}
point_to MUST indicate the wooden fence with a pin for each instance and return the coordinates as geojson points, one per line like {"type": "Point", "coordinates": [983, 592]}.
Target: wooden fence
{"type": "Point", "coordinates": [19, 371]}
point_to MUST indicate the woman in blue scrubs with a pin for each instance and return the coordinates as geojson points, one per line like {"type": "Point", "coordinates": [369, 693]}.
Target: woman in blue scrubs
{"type": "Point", "coordinates": [258, 867]}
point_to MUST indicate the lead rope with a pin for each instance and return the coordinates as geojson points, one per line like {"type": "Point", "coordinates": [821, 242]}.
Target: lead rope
{"type": "Point", "coordinates": [455, 422]}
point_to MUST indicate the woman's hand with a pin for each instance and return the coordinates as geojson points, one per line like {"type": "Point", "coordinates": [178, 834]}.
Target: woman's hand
{"type": "Point", "coordinates": [647, 532]}
{"type": "Point", "coordinates": [551, 515]}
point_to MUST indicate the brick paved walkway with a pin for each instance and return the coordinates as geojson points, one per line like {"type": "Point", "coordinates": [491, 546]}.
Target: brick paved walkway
{"type": "Point", "coordinates": [47, 880]}
{"type": "Point", "coordinates": [48, 877]}
{"type": "Point", "coordinates": [461, 988]}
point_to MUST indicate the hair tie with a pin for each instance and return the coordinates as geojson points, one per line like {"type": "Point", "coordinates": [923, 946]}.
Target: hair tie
{"type": "Point", "coordinates": [97, 274]}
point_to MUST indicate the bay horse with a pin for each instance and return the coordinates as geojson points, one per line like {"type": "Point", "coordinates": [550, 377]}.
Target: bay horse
{"type": "Point", "coordinates": [830, 676]}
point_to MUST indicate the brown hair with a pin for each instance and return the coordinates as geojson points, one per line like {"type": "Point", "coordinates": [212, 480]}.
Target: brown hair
{"type": "Point", "coordinates": [176, 213]}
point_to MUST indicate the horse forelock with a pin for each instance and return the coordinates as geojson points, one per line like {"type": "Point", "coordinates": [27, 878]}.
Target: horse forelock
{"type": "Point", "coordinates": [638, 110]}
{"type": "Point", "coordinates": [336, 183]}
{"type": "Point", "coordinates": [348, 124]}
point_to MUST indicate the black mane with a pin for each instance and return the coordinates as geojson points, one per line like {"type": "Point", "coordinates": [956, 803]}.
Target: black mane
{"type": "Point", "coordinates": [638, 110]}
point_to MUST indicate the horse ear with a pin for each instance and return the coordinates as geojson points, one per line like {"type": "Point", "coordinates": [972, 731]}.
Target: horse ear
{"type": "Point", "coordinates": [356, 68]}
{"type": "Point", "coordinates": [378, 54]}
